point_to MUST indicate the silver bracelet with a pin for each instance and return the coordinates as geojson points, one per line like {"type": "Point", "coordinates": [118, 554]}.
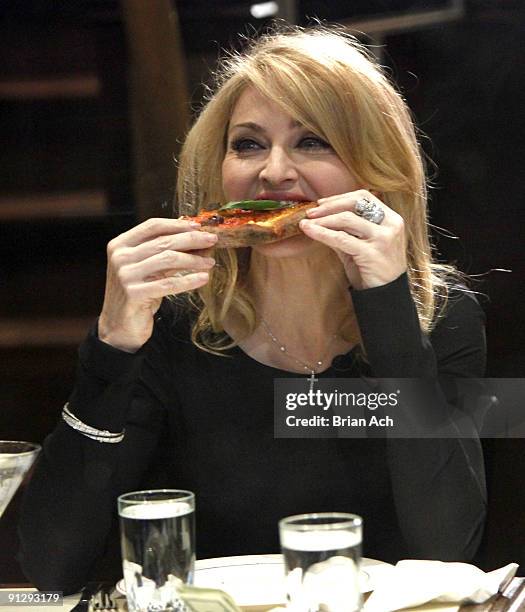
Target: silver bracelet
{"type": "Point", "coordinates": [100, 435]}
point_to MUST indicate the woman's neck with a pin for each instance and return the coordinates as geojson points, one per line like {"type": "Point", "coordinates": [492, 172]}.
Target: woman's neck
{"type": "Point", "coordinates": [303, 299]}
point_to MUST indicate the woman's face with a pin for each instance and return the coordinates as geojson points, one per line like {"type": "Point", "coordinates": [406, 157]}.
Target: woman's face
{"type": "Point", "coordinates": [271, 156]}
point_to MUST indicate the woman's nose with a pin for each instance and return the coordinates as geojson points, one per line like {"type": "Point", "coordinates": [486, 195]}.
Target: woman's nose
{"type": "Point", "coordinates": [278, 167]}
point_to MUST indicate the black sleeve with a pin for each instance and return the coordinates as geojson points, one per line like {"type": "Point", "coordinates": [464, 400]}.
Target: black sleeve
{"type": "Point", "coordinates": [438, 484]}
{"type": "Point", "coordinates": [70, 503]}
{"type": "Point", "coordinates": [395, 345]}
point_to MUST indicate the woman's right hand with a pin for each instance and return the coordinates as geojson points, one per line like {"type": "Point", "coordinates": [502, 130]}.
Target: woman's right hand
{"type": "Point", "coordinates": [144, 265]}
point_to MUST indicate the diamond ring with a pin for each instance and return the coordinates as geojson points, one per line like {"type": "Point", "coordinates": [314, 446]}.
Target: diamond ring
{"type": "Point", "coordinates": [371, 211]}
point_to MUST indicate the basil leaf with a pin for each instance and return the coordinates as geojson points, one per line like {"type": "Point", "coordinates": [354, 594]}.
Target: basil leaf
{"type": "Point", "coordinates": [257, 205]}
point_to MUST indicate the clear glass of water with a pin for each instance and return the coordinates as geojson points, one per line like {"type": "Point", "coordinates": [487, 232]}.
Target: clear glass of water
{"type": "Point", "coordinates": [157, 532]}
{"type": "Point", "coordinates": [322, 556]}
{"type": "Point", "coordinates": [15, 460]}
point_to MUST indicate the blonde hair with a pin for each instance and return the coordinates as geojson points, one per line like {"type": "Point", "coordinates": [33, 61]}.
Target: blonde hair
{"type": "Point", "coordinates": [325, 79]}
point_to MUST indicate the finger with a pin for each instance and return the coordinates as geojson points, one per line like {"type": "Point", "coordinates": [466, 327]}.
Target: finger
{"type": "Point", "coordinates": [346, 201]}
{"type": "Point", "coordinates": [183, 241]}
{"type": "Point", "coordinates": [171, 285]}
{"type": "Point", "coordinates": [167, 261]}
{"type": "Point", "coordinates": [204, 252]}
{"type": "Point", "coordinates": [333, 238]}
{"type": "Point", "coordinates": [348, 221]}
{"type": "Point", "coordinates": [152, 228]}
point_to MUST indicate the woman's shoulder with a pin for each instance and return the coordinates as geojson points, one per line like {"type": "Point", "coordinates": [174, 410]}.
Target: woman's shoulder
{"type": "Point", "coordinates": [460, 305]}
{"type": "Point", "coordinates": [458, 337]}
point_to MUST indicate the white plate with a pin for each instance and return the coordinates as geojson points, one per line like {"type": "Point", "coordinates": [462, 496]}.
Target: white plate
{"type": "Point", "coordinates": [259, 579]}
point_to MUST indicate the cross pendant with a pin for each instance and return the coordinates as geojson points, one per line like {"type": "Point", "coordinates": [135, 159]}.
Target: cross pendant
{"type": "Point", "coordinates": [312, 380]}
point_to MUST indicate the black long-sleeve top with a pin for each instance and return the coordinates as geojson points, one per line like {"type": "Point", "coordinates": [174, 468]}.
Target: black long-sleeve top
{"type": "Point", "coordinates": [202, 422]}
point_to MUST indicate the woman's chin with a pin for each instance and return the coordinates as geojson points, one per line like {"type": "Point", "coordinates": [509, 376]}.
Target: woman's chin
{"type": "Point", "coordinates": [287, 247]}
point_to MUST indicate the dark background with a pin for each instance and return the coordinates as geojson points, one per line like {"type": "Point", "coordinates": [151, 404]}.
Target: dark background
{"type": "Point", "coordinates": [69, 171]}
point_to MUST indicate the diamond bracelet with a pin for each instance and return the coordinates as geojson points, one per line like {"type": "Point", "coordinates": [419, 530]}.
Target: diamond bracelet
{"type": "Point", "coordinates": [100, 435]}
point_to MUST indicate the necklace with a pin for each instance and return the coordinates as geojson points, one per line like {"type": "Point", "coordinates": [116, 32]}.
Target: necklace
{"type": "Point", "coordinates": [306, 366]}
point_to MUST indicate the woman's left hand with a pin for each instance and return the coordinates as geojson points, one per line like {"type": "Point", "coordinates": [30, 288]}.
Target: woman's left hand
{"type": "Point", "coordinates": [372, 254]}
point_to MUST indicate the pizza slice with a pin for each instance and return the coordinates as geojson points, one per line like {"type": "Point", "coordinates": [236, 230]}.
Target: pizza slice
{"type": "Point", "coordinates": [251, 222]}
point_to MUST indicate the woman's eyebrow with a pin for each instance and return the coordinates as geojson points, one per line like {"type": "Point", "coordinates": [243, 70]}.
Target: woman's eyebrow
{"type": "Point", "coordinates": [250, 125]}
{"type": "Point", "coordinates": [258, 128]}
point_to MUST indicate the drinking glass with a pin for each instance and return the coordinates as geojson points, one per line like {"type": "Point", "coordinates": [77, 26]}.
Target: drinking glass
{"type": "Point", "coordinates": [15, 460]}
{"type": "Point", "coordinates": [157, 531]}
{"type": "Point", "coordinates": [322, 555]}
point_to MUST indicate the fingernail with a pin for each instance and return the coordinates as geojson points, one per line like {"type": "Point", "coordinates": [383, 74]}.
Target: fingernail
{"type": "Point", "coordinates": [210, 261]}
{"type": "Point", "coordinates": [212, 237]}
{"type": "Point", "coordinates": [194, 224]}
{"type": "Point", "coordinates": [321, 200]}
{"type": "Point", "coordinates": [313, 212]}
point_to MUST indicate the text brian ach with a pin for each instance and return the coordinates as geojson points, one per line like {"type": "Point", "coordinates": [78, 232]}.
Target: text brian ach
{"type": "Point", "coordinates": [338, 421]}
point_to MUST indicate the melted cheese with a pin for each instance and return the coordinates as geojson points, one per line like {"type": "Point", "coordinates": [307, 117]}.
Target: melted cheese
{"type": "Point", "coordinates": [273, 218]}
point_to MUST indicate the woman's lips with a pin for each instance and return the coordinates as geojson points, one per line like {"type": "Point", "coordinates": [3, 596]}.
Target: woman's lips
{"type": "Point", "coordinates": [280, 196]}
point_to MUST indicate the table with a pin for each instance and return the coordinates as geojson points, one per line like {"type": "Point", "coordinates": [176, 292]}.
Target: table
{"type": "Point", "coordinates": [511, 600]}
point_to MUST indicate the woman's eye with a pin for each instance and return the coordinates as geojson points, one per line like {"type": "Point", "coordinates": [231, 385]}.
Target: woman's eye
{"type": "Point", "coordinates": [245, 145]}
{"type": "Point", "coordinates": [313, 142]}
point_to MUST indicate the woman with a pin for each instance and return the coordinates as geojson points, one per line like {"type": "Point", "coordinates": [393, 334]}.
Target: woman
{"type": "Point", "coordinates": [185, 384]}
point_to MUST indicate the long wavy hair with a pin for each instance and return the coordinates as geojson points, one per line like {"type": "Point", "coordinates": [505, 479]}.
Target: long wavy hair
{"type": "Point", "coordinates": [330, 83]}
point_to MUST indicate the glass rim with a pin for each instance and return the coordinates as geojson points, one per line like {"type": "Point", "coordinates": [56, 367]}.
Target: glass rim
{"type": "Point", "coordinates": [127, 497]}
{"type": "Point", "coordinates": [346, 519]}
{"type": "Point", "coordinates": [34, 447]}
